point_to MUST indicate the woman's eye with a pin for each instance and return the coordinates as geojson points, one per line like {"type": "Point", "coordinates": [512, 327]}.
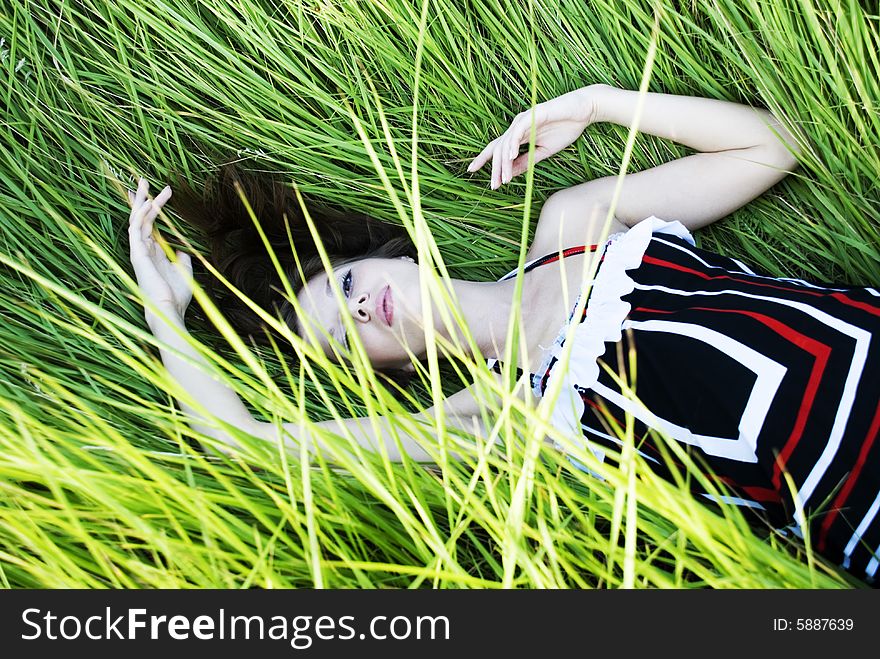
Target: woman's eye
{"type": "Point", "coordinates": [346, 284]}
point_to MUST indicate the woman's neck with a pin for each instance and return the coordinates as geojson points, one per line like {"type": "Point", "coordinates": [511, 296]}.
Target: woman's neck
{"type": "Point", "coordinates": [548, 295]}
{"type": "Point", "coordinates": [486, 309]}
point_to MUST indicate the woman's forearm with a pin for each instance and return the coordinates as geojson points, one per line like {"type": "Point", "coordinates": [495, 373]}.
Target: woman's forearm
{"type": "Point", "coordinates": [218, 399]}
{"type": "Point", "coordinates": [222, 403]}
{"type": "Point", "coordinates": [395, 435]}
{"type": "Point", "coordinates": [706, 125]}
{"type": "Point", "coordinates": [376, 434]}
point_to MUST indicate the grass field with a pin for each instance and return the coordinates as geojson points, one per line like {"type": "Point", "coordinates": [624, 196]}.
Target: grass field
{"type": "Point", "coordinates": [375, 107]}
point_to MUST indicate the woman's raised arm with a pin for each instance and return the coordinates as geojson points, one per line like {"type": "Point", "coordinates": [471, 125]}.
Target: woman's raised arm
{"type": "Point", "coordinates": [743, 151]}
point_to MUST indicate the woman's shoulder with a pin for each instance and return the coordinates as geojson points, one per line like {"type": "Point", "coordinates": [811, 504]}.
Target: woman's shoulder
{"type": "Point", "coordinates": [545, 243]}
{"type": "Point", "coordinates": [543, 249]}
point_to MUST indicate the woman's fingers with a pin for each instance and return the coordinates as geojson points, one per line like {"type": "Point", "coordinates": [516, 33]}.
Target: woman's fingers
{"type": "Point", "coordinates": [136, 199]}
{"type": "Point", "coordinates": [495, 178]}
{"type": "Point", "coordinates": [144, 211]}
{"type": "Point", "coordinates": [146, 255]}
{"type": "Point", "coordinates": [143, 190]}
{"type": "Point", "coordinates": [503, 152]}
{"type": "Point", "coordinates": [509, 149]}
{"type": "Point", "coordinates": [521, 163]}
{"type": "Point", "coordinates": [155, 207]}
{"type": "Point", "coordinates": [136, 219]}
{"type": "Point", "coordinates": [139, 217]}
{"type": "Point", "coordinates": [502, 160]}
{"type": "Point", "coordinates": [184, 261]}
{"type": "Point", "coordinates": [483, 157]}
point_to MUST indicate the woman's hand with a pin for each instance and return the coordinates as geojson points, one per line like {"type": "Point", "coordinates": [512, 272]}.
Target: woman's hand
{"type": "Point", "coordinates": [163, 283]}
{"type": "Point", "coordinates": [558, 123]}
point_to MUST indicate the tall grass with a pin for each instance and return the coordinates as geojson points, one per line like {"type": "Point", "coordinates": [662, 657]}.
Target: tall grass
{"type": "Point", "coordinates": [101, 485]}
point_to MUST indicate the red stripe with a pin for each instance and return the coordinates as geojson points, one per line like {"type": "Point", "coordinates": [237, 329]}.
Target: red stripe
{"type": "Point", "coordinates": [850, 481]}
{"type": "Point", "coordinates": [702, 275]}
{"type": "Point", "coordinates": [543, 380]}
{"type": "Point", "coordinates": [762, 494]}
{"type": "Point", "coordinates": [649, 310]}
{"type": "Point", "coordinates": [864, 306]}
{"type": "Point", "coordinates": [820, 352]}
{"type": "Point", "coordinates": [568, 251]}
{"type": "Point", "coordinates": [757, 493]}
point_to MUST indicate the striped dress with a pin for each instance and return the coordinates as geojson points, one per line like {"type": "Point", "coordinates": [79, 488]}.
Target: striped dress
{"type": "Point", "coordinates": [757, 377]}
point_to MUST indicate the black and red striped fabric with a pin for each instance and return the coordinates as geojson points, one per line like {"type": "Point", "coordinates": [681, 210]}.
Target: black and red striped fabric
{"type": "Point", "coordinates": [758, 378]}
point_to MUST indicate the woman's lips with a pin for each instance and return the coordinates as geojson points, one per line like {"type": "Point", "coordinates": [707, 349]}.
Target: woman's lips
{"type": "Point", "coordinates": [385, 306]}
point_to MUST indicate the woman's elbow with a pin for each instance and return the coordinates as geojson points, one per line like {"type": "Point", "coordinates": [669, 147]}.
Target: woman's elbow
{"type": "Point", "coordinates": [784, 148]}
{"type": "Point", "coordinates": [788, 154]}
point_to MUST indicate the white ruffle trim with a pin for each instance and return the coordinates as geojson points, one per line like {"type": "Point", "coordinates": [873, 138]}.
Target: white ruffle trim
{"type": "Point", "coordinates": [606, 312]}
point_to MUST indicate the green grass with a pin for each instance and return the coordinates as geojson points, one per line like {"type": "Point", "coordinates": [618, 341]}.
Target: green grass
{"type": "Point", "coordinates": [100, 484]}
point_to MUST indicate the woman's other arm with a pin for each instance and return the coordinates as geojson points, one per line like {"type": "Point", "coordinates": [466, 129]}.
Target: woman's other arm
{"type": "Point", "coordinates": [743, 151]}
{"type": "Point", "coordinates": [382, 433]}
{"type": "Point", "coordinates": [166, 289]}
{"type": "Point", "coordinates": [166, 286]}
{"type": "Point", "coordinates": [191, 372]}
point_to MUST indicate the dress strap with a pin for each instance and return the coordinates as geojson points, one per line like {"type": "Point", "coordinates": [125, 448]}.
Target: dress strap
{"type": "Point", "coordinates": [495, 364]}
{"type": "Point", "coordinates": [534, 380]}
{"type": "Point", "coordinates": [552, 257]}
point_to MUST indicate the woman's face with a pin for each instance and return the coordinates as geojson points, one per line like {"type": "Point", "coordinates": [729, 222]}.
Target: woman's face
{"type": "Point", "coordinates": [381, 296]}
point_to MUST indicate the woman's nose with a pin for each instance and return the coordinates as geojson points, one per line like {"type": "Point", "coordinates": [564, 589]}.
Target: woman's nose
{"type": "Point", "coordinates": [357, 305]}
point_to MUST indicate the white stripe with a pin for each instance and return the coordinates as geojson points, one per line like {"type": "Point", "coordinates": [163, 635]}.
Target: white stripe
{"type": "Point", "coordinates": [873, 292]}
{"type": "Point", "coordinates": [689, 253]}
{"type": "Point", "coordinates": [769, 372]}
{"type": "Point", "coordinates": [860, 354]}
{"type": "Point", "coordinates": [744, 267]}
{"type": "Point", "coordinates": [747, 270]}
{"type": "Point", "coordinates": [871, 570]}
{"type": "Point", "coordinates": [736, 501]}
{"type": "Point", "coordinates": [525, 267]}
{"type": "Point", "coordinates": [732, 449]}
{"type": "Point", "coordinates": [802, 282]}
{"type": "Point", "coordinates": [616, 441]}
{"type": "Point", "coordinates": [860, 529]}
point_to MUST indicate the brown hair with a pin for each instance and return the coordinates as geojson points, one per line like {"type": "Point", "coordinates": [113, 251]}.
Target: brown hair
{"type": "Point", "coordinates": [237, 251]}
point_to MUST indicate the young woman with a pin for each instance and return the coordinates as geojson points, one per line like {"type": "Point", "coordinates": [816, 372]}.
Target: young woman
{"type": "Point", "coordinates": [762, 379]}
